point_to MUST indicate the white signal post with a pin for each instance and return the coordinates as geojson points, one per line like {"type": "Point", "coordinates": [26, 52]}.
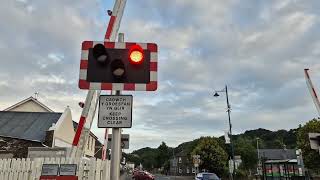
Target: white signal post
{"type": "Point", "coordinates": [116, 141]}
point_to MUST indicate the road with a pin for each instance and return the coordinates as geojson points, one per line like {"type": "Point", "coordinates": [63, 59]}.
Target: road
{"type": "Point", "coordinates": [160, 177]}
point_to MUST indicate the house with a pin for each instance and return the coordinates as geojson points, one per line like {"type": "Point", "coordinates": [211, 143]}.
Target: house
{"type": "Point", "coordinates": [30, 123]}
{"type": "Point", "coordinates": [93, 146]}
{"type": "Point", "coordinates": [181, 165]}
{"type": "Point", "coordinates": [279, 163]}
{"type": "Point", "coordinates": [98, 149]}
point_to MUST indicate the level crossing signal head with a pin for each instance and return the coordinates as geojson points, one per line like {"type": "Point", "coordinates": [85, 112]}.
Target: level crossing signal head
{"type": "Point", "coordinates": [129, 65]}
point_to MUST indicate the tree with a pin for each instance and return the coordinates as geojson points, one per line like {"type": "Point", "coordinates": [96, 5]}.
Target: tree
{"type": "Point", "coordinates": [212, 155]}
{"type": "Point", "coordinates": [163, 154]}
{"type": "Point", "coordinates": [248, 153]}
{"type": "Point", "coordinates": [311, 157]}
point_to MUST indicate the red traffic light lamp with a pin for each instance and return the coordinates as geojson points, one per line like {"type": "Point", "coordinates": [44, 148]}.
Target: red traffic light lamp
{"type": "Point", "coordinates": [136, 54]}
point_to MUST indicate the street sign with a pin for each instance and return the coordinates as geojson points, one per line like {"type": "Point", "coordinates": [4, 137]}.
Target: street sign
{"type": "Point", "coordinates": [68, 169]}
{"type": "Point", "coordinates": [115, 111]}
{"type": "Point", "coordinates": [314, 141]}
{"type": "Point", "coordinates": [196, 160]}
{"type": "Point", "coordinates": [50, 170]}
{"type": "Point", "coordinates": [226, 137]}
{"type": "Point", "coordinates": [231, 167]}
{"type": "Point", "coordinates": [124, 141]}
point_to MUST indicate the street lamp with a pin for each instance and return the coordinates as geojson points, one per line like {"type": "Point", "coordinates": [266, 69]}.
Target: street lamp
{"type": "Point", "coordinates": [259, 162]}
{"type": "Point", "coordinates": [230, 126]}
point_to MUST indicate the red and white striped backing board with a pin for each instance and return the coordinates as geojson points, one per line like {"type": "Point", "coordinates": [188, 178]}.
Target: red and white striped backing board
{"type": "Point", "coordinates": [152, 86]}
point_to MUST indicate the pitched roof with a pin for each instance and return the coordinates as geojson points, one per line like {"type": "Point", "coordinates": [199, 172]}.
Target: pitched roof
{"type": "Point", "coordinates": [27, 125]}
{"type": "Point", "coordinates": [26, 100]}
{"type": "Point", "coordinates": [277, 154]}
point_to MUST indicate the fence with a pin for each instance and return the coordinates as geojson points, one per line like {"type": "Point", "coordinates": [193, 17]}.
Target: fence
{"type": "Point", "coordinates": [30, 169]}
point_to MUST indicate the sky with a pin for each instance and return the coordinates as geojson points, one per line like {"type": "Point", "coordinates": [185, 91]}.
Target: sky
{"type": "Point", "coordinates": [257, 48]}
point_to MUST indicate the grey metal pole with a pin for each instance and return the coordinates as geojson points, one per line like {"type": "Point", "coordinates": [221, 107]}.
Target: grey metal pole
{"type": "Point", "coordinates": [115, 154]}
{"type": "Point", "coordinates": [258, 148]}
{"type": "Point", "coordinates": [259, 162]}
{"type": "Point", "coordinates": [230, 129]}
{"type": "Point", "coordinates": [116, 141]}
{"type": "Point", "coordinates": [174, 163]}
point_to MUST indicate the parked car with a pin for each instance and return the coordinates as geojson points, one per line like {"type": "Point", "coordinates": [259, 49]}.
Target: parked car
{"type": "Point", "coordinates": [207, 176]}
{"type": "Point", "coordinates": [142, 175]}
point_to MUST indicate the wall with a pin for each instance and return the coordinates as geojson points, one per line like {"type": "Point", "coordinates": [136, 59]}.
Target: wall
{"type": "Point", "coordinates": [63, 130]}
{"type": "Point", "coordinates": [29, 106]}
{"type": "Point", "coordinates": [46, 152]}
{"type": "Point", "coordinates": [184, 167]}
{"type": "Point", "coordinates": [90, 146]}
{"type": "Point", "coordinates": [64, 133]}
{"type": "Point", "coordinates": [17, 147]}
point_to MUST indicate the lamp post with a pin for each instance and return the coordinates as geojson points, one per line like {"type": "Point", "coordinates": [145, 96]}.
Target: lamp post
{"type": "Point", "coordinates": [259, 161]}
{"type": "Point", "coordinates": [230, 127]}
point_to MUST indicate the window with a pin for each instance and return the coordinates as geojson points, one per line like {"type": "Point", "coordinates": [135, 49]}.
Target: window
{"type": "Point", "coordinates": [180, 160]}
{"type": "Point", "coordinates": [88, 143]}
{"type": "Point", "coordinates": [92, 144]}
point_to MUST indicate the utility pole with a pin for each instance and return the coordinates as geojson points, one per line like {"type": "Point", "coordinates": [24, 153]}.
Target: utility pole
{"type": "Point", "coordinates": [230, 128]}
{"type": "Point", "coordinates": [174, 163]}
{"type": "Point", "coordinates": [259, 161]}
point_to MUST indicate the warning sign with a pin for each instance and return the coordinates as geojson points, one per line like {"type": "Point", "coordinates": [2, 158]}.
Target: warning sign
{"type": "Point", "coordinates": [115, 111]}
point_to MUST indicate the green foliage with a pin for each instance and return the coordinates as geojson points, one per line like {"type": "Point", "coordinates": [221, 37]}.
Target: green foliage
{"type": "Point", "coordinates": [162, 155]}
{"type": "Point", "coordinates": [248, 153]}
{"type": "Point", "coordinates": [311, 157]}
{"type": "Point", "coordinates": [187, 147]}
{"type": "Point", "coordinates": [150, 157]}
{"type": "Point", "coordinates": [212, 155]}
{"type": "Point", "coordinates": [146, 156]}
{"type": "Point", "coordinates": [241, 172]}
{"type": "Point", "coordinates": [245, 145]}
{"type": "Point", "coordinates": [271, 139]}
{"type": "Point", "coordinates": [132, 158]}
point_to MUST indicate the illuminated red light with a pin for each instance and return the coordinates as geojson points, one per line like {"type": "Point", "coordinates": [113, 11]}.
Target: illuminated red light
{"type": "Point", "coordinates": [136, 55]}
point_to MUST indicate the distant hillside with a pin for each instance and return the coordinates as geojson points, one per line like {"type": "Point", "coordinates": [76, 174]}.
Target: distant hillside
{"type": "Point", "coordinates": [267, 139]}
{"type": "Point", "coordinates": [271, 139]}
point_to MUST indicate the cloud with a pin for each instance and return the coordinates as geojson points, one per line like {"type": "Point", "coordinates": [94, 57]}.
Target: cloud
{"type": "Point", "coordinates": [259, 49]}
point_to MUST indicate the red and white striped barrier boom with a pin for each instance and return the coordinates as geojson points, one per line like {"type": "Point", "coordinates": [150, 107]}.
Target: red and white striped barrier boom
{"type": "Point", "coordinates": [89, 109]}
{"type": "Point", "coordinates": [312, 91]}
